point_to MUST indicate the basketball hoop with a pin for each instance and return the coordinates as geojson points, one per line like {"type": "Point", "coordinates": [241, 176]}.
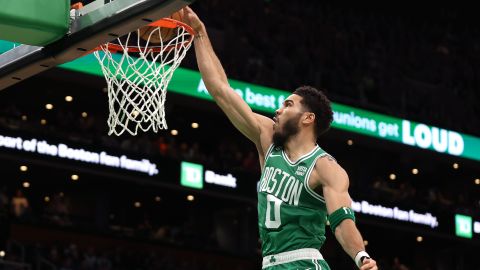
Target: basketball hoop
{"type": "Point", "coordinates": [138, 72]}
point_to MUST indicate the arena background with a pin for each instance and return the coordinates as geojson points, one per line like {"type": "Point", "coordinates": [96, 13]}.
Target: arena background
{"type": "Point", "coordinates": [387, 67]}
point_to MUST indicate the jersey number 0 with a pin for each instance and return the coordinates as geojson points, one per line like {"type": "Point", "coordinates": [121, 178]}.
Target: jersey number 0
{"type": "Point", "coordinates": [276, 221]}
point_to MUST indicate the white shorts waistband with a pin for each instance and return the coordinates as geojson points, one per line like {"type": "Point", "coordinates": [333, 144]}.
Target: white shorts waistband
{"type": "Point", "coordinates": [291, 256]}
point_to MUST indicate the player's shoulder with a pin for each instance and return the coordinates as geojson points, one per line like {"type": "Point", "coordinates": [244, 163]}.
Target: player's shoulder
{"type": "Point", "coordinates": [325, 160]}
{"type": "Point", "coordinates": [326, 167]}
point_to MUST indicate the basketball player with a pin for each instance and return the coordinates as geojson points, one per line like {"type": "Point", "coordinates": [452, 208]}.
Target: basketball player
{"type": "Point", "coordinates": [301, 187]}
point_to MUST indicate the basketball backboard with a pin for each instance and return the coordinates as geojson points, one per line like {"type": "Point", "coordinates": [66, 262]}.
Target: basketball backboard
{"type": "Point", "coordinates": [92, 25]}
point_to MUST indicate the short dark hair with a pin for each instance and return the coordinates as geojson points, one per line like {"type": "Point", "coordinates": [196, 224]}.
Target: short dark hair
{"type": "Point", "coordinates": [316, 101]}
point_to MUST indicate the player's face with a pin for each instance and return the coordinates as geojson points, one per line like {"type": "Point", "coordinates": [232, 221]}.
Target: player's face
{"type": "Point", "coordinates": [287, 120]}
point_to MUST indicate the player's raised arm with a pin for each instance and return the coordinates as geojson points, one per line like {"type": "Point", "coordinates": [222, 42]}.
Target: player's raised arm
{"type": "Point", "coordinates": [256, 127]}
{"type": "Point", "coordinates": [334, 182]}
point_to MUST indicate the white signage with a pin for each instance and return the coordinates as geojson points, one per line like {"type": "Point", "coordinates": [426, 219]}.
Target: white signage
{"type": "Point", "coordinates": [64, 151]}
{"type": "Point", "coordinates": [476, 227]}
{"type": "Point", "coordinates": [268, 101]}
{"type": "Point", "coordinates": [222, 180]}
{"type": "Point", "coordinates": [425, 137]}
{"type": "Point", "coordinates": [411, 216]}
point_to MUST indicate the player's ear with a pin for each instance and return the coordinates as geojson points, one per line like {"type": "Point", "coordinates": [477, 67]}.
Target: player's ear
{"type": "Point", "coordinates": [308, 118]}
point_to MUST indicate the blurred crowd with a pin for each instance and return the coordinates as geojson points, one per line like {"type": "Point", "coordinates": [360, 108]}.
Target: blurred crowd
{"type": "Point", "coordinates": [440, 198]}
{"type": "Point", "coordinates": [175, 227]}
{"type": "Point", "coordinates": [69, 256]}
{"type": "Point", "coordinates": [168, 219]}
{"type": "Point", "coordinates": [150, 240]}
{"type": "Point", "coordinates": [420, 63]}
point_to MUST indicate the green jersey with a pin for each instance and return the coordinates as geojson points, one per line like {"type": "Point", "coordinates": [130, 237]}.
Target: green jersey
{"type": "Point", "coordinates": [290, 214]}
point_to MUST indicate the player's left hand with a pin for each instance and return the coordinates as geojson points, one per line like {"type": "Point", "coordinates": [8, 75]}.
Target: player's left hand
{"type": "Point", "coordinates": [369, 264]}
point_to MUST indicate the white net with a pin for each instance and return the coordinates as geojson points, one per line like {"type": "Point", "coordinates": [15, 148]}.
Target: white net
{"type": "Point", "coordinates": [138, 76]}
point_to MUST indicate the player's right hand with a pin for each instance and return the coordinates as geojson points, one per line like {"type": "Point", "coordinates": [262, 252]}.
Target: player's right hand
{"type": "Point", "coordinates": [191, 18]}
{"type": "Point", "coordinates": [369, 264]}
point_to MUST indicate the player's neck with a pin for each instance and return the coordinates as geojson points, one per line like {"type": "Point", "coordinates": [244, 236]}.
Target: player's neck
{"type": "Point", "coordinates": [299, 145]}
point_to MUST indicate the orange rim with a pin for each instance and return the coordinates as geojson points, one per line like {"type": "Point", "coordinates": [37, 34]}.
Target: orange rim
{"type": "Point", "coordinates": [165, 22]}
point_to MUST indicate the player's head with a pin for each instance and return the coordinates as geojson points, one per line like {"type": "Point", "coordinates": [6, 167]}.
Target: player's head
{"type": "Point", "coordinates": [307, 108]}
{"type": "Point", "coordinates": [316, 102]}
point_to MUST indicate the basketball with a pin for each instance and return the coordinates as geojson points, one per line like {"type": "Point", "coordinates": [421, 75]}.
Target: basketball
{"type": "Point", "coordinates": [164, 34]}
